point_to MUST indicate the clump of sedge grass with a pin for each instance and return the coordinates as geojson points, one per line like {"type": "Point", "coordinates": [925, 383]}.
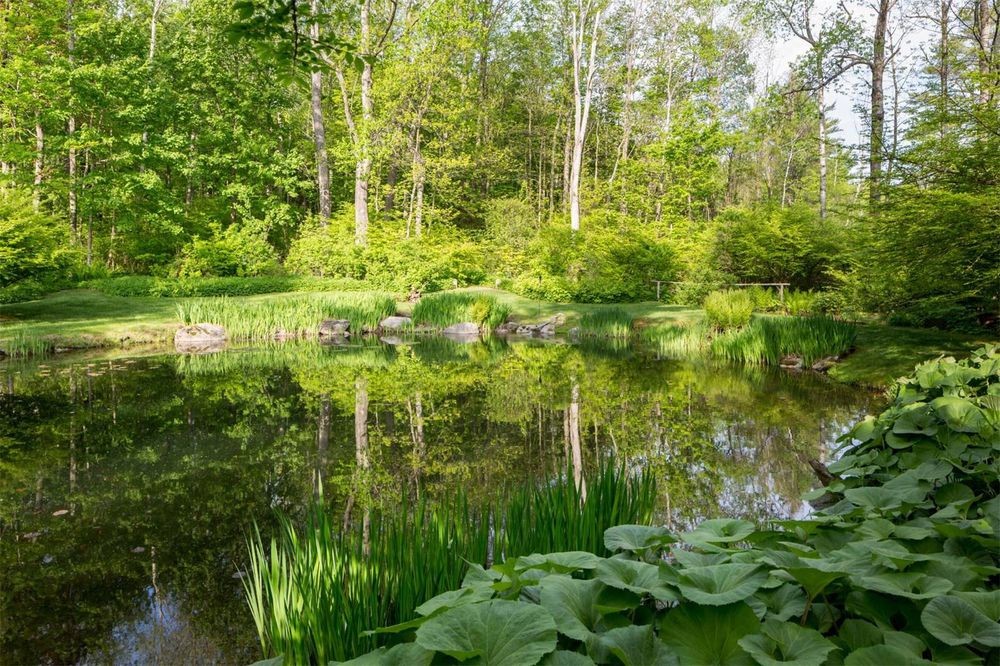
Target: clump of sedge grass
{"type": "Point", "coordinates": [23, 345]}
{"type": "Point", "coordinates": [445, 308]}
{"type": "Point", "coordinates": [727, 309]}
{"type": "Point", "coordinates": [314, 591]}
{"type": "Point", "coordinates": [606, 323]}
{"type": "Point", "coordinates": [298, 315]}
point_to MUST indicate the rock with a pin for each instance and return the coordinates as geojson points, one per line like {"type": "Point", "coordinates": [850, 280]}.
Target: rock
{"type": "Point", "coordinates": [335, 328]}
{"type": "Point", "coordinates": [507, 328]}
{"type": "Point", "coordinates": [392, 340]}
{"type": "Point", "coordinates": [200, 338]}
{"type": "Point", "coordinates": [465, 331]}
{"type": "Point", "coordinates": [139, 549]}
{"type": "Point", "coordinates": [395, 323]}
{"type": "Point", "coordinates": [282, 334]}
{"type": "Point", "coordinates": [574, 332]}
{"type": "Point", "coordinates": [60, 512]}
{"type": "Point", "coordinates": [791, 362]}
{"type": "Point", "coordinates": [824, 364]}
{"type": "Point", "coordinates": [546, 330]}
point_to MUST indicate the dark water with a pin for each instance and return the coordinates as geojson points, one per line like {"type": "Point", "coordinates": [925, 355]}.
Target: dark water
{"type": "Point", "coordinates": [127, 486]}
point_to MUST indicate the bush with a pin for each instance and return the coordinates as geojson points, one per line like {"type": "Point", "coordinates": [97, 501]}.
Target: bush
{"type": "Point", "coordinates": [33, 249]}
{"type": "Point", "coordinates": [144, 285]}
{"type": "Point", "coordinates": [450, 307]}
{"type": "Point", "coordinates": [763, 299]}
{"type": "Point", "coordinates": [237, 250]}
{"type": "Point", "coordinates": [728, 309]}
{"type": "Point", "coordinates": [799, 303]}
{"type": "Point", "coordinates": [899, 569]}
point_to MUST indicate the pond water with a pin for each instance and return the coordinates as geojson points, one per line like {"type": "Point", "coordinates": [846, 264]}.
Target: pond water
{"type": "Point", "coordinates": [128, 486]}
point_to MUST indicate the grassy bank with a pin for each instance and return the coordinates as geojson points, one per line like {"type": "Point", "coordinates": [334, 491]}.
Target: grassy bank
{"type": "Point", "coordinates": [85, 319]}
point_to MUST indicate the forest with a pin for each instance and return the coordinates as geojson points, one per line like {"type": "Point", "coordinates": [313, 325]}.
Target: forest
{"type": "Point", "coordinates": [563, 151]}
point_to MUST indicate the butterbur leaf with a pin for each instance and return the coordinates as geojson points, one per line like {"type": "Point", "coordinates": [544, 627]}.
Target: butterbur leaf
{"type": "Point", "coordinates": [959, 414]}
{"type": "Point", "coordinates": [454, 598]}
{"type": "Point", "coordinates": [721, 584]}
{"type": "Point", "coordinates": [637, 645]}
{"type": "Point", "coordinates": [573, 604]}
{"type": "Point", "coordinates": [566, 658]}
{"type": "Point", "coordinates": [987, 603]}
{"type": "Point", "coordinates": [787, 643]}
{"type": "Point", "coordinates": [917, 419]}
{"type": "Point", "coordinates": [719, 531]}
{"type": "Point", "coordinates": [857, 634]}
{"type": "Point", "coordinates": [954, 621]}
{"type": "Point", "coordinates": [567, 562]}
{"type": "Point", "coordinates": [499, 632]}
{"type": "Point", "coordinates": [874, 497]}
{"type": "Point", "coordinates": [909, 585]}
{"type": "Point", "coordinates": [637, 577]}
{"type": "Point", "coordinates": [905, 642]}
{"type": "Point", "coordinates": [707, 635]}
{"type": "Point", "coordinates": [784, 602]}
{"type": "Point", "coordinates": [404, 654]}
{"type": "Point", "coordinates": [636, 538]}
{"type": "Point", "coordinates": [882, 655]}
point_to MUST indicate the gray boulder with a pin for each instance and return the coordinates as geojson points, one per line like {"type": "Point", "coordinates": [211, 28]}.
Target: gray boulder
{"type": "Point", "coordinates": [465, 331]}
{"type": "Point", "coordinates": [395, 323]}
{"type": "Point", "coordinates": [334, 328]}
{"type": "Point", "coordinates": [200, 338]}
{"type": "Point", "coordinates": [824, 364]}
{"type": "Point", "coordinates": [791, 362]}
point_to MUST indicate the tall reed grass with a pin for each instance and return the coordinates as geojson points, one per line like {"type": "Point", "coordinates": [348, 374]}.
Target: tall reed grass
{"type": "Point", "coordinates": [23, 345]}
{"type": "Point", "coordinates": [314, 591]}
{"type": "Point", "coordinates": [606, 323]}
{"type": "Point", "coordinates": [727, 309]}
{"type": "Point", "coordinates": [296, 315]}
{"type": "Point", "coordinates": [445, 308]}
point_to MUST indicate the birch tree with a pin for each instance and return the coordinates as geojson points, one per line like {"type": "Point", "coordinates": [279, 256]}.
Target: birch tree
{"type": "Point", "coordinates": [585, 25]}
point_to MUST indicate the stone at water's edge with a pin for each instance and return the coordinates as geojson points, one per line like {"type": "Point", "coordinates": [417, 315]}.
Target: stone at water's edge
{"type": "Point", "coordinates": [825, 364]}
{"type": "Point", "coordinates": [200, 338]}
{"type": "Point", "coordinates": [334, 328]}
{"type": "Point", "coordinates": [395, 323]}
{"type": "Point", "coordinates": [545, 329]}
{"type": "Point", "coordinates": [465, 331]}
{"type": "Point", "coordinates": [791, 362]}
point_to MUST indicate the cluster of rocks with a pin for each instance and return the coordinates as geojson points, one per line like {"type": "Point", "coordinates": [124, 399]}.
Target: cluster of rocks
{"type": "Point", "coordinates": [543, 329]}
{"type": "Point", "coordinates": [795, 362]}
{"type": "Point", "coordinates": [200, 338]}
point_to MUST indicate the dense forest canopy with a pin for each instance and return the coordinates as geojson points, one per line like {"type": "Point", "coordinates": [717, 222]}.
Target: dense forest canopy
{"type": "Point", "coordinates": [569, 150]}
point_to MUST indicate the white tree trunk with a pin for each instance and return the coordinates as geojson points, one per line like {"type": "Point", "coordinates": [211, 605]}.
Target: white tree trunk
{"type": "Point", "coordinates": [583, 88]}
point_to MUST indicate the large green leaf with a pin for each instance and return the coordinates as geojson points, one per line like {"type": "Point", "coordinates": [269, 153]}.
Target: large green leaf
{"type": "Point", "coordinates": [959, 414]}
{"type": "Point", "coordinates": [917, 419]}
{"type": "Point", "coordinates": [909, 585]}
{"type": "Point", "coordinates": [882, 655]}
{"type": "Point", "coordinates": [719, 531]}
{"type": "Point", "coordinates": [566, 658]}
{"type": "Point", "coordinates": [638, 577]}
{"type": "Point", "coordinates": [955, 621]}
{"type": "Point", "coordinates": [637, 645]}
{"type": "Point", "coordinates": [721, 584]}
{"type": "Point", "coordinates": [787, 643]}
{"type": "Point", "coordinates": [567, 562]}
{"type": "Point", "coordinates": [573, 604]}
{"type": "Point", "coordinates": [705, 635]}
{"type": "Point", "coordinates": [455, 598]}
{"type": "Point", "coordinates": [856, 634]}
{"type": "Point", "coordinates": [404, 654]}
{"type": "Point", "coordinates": [637, 538]}
{"type": "Point", "coordinates": [499, 632]}
{"type": "Point", "coordinates": [987, 603]}
{"type": "Point", "coordinates": [784, 602]}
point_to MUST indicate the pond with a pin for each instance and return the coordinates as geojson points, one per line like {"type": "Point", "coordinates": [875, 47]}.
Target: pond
{"type": "Point", "coordinates": [128, 486]}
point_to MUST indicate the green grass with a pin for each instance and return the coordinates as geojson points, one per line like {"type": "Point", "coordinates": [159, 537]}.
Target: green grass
{"type": "Point", "coordinates": [146, 285]}
{"type": "Point", "coordinates": [296, 315]}
{"type": "Point", "coordinates": [445, 308]}
{"type": "Point", "coordinates": [314, 591]}
{"type": "Point", "coordinates": [607, 323]}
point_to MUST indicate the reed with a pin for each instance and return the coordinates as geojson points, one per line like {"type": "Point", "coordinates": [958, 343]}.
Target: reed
{"type": "Point", "coordinates": [606, 323]}
{"type": "Point", "coordinates": [23, 345]}
{"type": "Point", "coordinates": [296, 315]}
{"type": "Point", "coordinates": [445, 308]}
{"type": "Point", "coordinates": [314, 591]}
{"type": "Point", "coordinates": [727, 309]}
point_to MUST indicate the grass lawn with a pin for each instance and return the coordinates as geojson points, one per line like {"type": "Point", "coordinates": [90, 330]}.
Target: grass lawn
{"type": "Point", "coordinates": [86, 319]}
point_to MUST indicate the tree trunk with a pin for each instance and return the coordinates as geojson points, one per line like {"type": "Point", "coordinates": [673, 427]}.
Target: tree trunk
{"type": "Point", "coordinates": [319, 129]}
{"type": "Point", "coordinates": [821, 101]}
{"type": "Point", "coordinates": [361, 449]}
{"type": "Point", "coordinates": [987, 36]}
{"type": "Point", "coordinates": [36, 198]}
{"type": "Point", "coordinates": [71, 129]}
{"type": "Point", "coordinates": [322, 438]}
{"type": "Point", "coordinates": [877, 121]}
{"type": "Point", "coordinates": [364, 165]}
{"type": "Point", "coordinates": [583, 87]}
{"type": "Point", "coordinates": [573, 426]}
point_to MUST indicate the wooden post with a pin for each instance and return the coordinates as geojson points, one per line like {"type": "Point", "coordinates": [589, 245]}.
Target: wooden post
{"type": "Point", "coordinates": [781, 294]}
{"type": "Point", "coordinates": [657, 289]}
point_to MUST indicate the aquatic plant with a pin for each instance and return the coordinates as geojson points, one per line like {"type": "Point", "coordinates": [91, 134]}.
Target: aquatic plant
{"type": "Point", "coordinates": [445, 308]}
{"type": "Point", "coordinates": [727, 309]}
{"type": "Point", "coordinates": [900, 569]}
{"type": "Point", "coordinates": [294, 315]}
{"type": "Point", "coordinates": [314, 591]}
{"type": "Point", "coordinates": [22, 344]}
{"type": "Point", "coordinates": [606, 323]}
{"type": "Point", "coordinates": [800, 303]}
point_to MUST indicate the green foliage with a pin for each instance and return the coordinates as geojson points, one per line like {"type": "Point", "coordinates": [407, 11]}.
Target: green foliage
{"type": "Point", "coordinates": [799, 303]}
{"type": "Point", "coordinates": [728, 309]}
{"type": "Point", "coordinates": [314, 592]}
{"type": "Point", "coordinates": [901, 568]}
{"type": "Point", "coordinates": [144, 285]}
{"type": "Point", "coordinates": [606, 323]}
{"type": "Point", "coordinates": [298, 315]}
{"type": "Point", "coordinates": [453, 307]}
{"type": "Point", "coordinates": [240, 250]}
{"type": "Point", "coordinates": [769, 339]}
{"type": "Point", "coordinates": [33, 251]}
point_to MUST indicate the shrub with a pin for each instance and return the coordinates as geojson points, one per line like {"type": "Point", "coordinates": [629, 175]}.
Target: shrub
{"type": "Point", "coordinates": [606, 323]}
{"type": "Point", "coordinates": [799, 303]}
{"type": "Point", "coordinates": [237, 250]}
{"type": "Point", "coordinates": [452, 307]}
{"type": "Point", "coordinates": [900, 568]}
{"type": "Point", "coordinates": [145, 285]}
{"type": "Point", "coordinates": [33, 248]}
{"type": "Point", "coordinates": [763, 299]}
{"type": "Point", "coordinates": [728, 309]}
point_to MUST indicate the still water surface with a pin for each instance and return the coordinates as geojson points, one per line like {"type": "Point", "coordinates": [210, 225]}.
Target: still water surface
{"type": "Point", "coordinates": [127, 486]}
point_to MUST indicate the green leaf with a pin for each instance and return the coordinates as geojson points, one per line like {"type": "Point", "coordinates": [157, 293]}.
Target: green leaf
{"type": "Point", "coordinates": [638, 577]}
{"type": "Point", "coordinates": [955, 621]}
{"type": "Point", "coordinates": [637, 645]}
{"type": "Point", "coordinates": [721, 584]}
{"type": "Point", "coordinates": [857, 634]}
{"type": "Point", "coordinates": [882, 655]}
{"type": "Point", "coordinates": [987, 603]}
{"type": "Point", "coordinates": [909, 585]}
{"type": "Point", "coordinates": [636, 538]}
{"type": "Point", "coordinates": [404, 654]}
{"type": "Point", "coordinates": [784, 602]}
{"type": "Point", "coordinates": [709, 635]}
{"type": "Point", "coordinates": [567, 562]}
{"type": "Point", "coordinates": [455, 598]}
{"type": "Point", "coordinates": [917, 419]}
{"type": "Point", "coordinates": [573, 604]}
{"type": "Point", "coordinates": [499, 632]}
{"type": "Point", "coordinates": [787, 643]}
{"type": "Point", "coordinates": [719, 530]}
{"type": "Point", "coordinates": [566, 658]}
{"type": "Point", "coordinates": [959, 414]}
